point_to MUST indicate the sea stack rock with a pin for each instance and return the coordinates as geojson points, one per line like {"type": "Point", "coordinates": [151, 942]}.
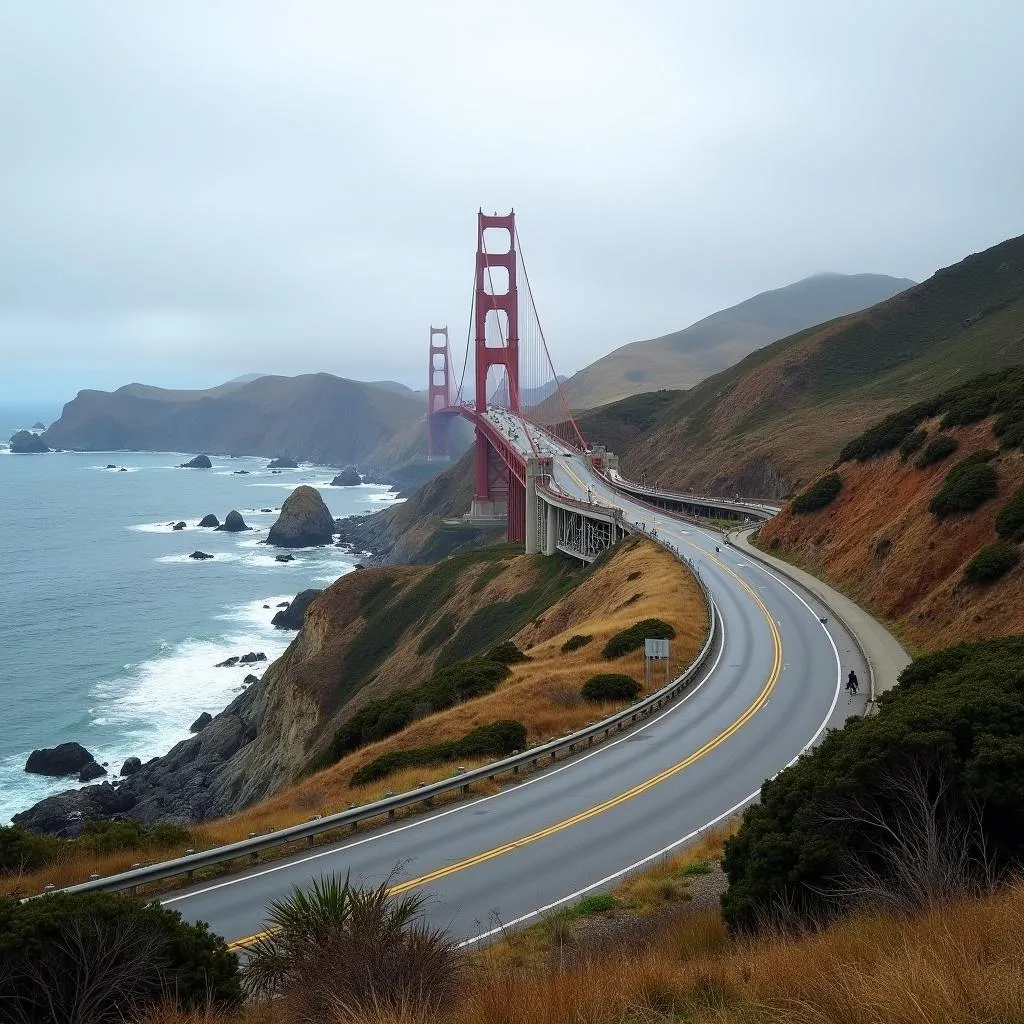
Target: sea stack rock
{"type": "Point", "coordinates": [201, 722]}
{"type": "Point", "coordinates": [178, 526]}
{"type": "Point", "coordinates": [200, 556]}
{"type": "Point", "coordinates": [282, 462]}
{"type": "Point", "coordinates": [199, 462]}
{"type": "Point", "coordinates": [91, 771]}
{"type": "Point", "coordinates": [63, 759]}
{"type": "Point", "coordinates": [305, 521]}
{"type": "Point", "coordinates": [348, 477]}
{"type": "Point", "coordinates": [233, 523]}
{"type": "Point", "coordinates": [24, 442]}
{"type": "Point", "coordinates": [131, 766]}
{"type": "Point", "coordinates": [210, 522]}
{"type": "Point", "coordinates": [293, 616]}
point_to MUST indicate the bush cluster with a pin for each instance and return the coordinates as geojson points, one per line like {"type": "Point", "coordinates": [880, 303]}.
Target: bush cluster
{"type": "Point", "coordinates": [960, 709]}
{"type": "Point", "coordinates": [821, 493]}
{"type": "Point", "coordinates": [968, 485]}
{"type": "Point", "coordinates": [96, 956]}
{"type": "Point", "coordinates": [575, 642]}
{"type": "Point", "coordinates": [938, 448]}
{"type": "Point", "coordinates": [610, 686]}
{"type": "Point", "coordinates": [506, 654]}
{"type": "Point", "coordinates": [632, 639]}
{"type": "Point", "coordinates": [913, 443]}
{"type": "Point", "coordinates": [1010, 520]}
{"type": "Point", "coordinates": [1001, 391]}
{"type": "Point", "coordinates": [499, 739]}
{"type": "Point", "coordinates": [444, 689]}
{"type": "Point", "coordinates": [991, 563]}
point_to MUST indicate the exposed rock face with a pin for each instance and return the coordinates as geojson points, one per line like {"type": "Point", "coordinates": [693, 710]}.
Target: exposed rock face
{"type": "Point", "coordinates": [91, 771]}
{"type": "Point", "coordinates": [200, 556]}
{"type": "Point", "coordinates": [199, 462]}
{"type": "Point", "coordinates": [24, 442]}
{"type": "Point", "coordinates": [233, 523]}
{"type": "Point", "coordinates": [63, 759]}
{"type": "Point", "coordinates": [209, 522]}
{"type": "Point", "coordinates": [305, 521]}
{"type": "Point", "coordinates": [66, 813]}
{"type": "Point", "coordinates": [131, 766]}
{"type": "Point", "coordinates": [348, 477]}
{"type": "Point", "coordinates": [282, 462]}
{"type": "Point", "coordinates": [293, 616]}
{"type": "Point", "coordinates": [39, 426]}
{"type": "Point", "coordinates": [201, 722]}
{"type": "Point", "coordinates": [284, 558]}
{"type": "Point", "coordinates": [178, 526]}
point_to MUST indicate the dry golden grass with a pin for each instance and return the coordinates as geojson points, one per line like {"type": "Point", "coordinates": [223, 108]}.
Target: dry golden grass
{"type": "Point", "coordinates": [959, 964]}
{"type": "Point", "coordinates": [542, 693]}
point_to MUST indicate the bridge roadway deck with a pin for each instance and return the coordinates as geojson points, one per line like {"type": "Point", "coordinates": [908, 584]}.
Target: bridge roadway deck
{"type": "Point", "coordinates": [771, 688]}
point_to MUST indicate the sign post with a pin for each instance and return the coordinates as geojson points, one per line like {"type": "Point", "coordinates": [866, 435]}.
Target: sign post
{"type": "Point", "coordinates": [656, 650]}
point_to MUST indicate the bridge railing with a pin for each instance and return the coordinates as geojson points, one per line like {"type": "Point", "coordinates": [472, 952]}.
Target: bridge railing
{"type": "Point", "coordinates": [387, 807]}
{"type": "Point", "coordinates": [759, 509]}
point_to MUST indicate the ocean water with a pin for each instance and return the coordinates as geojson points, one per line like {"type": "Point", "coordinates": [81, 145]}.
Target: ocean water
{"type": "Point", "coordinates": [109, 633]}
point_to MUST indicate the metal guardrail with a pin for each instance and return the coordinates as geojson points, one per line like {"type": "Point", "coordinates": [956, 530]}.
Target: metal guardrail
{"type": "Point", "coordinates": [759, 509]}
{"type": "Point", "coordinates": [387, 807]}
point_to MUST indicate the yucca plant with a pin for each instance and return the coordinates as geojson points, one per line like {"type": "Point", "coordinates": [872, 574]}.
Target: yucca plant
{"type": "Point", "coordinates": [336, 947]}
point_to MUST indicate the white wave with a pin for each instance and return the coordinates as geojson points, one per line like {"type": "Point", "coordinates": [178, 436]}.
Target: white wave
{"type": "Point", "coordinates": [218, 556]}
{"type": "Point", "coordinates": [169, 527]}
{"type": "Point", "coordinates": [391, 497]}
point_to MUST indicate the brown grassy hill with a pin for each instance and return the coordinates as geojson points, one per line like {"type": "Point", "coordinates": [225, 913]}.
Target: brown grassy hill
{"type": "Point", "coordinates": [784, 412]}
{"type": "Point", "coordinates": [879, 543]}
{"type": "Point", "coordinates": [684, 358]}
{"type": "Point", "coordinates": [495, 595]}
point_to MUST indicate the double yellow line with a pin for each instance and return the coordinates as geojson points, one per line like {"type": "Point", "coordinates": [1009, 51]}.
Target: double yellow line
{"type": "Point", "coordinates": [592, 812]}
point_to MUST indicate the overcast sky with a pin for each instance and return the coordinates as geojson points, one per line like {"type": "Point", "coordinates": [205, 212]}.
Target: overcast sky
{"type": "Point", "coordinates": [193, 190]}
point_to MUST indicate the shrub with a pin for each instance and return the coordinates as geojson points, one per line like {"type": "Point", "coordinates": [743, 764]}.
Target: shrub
{"type": "Point", "coordinates": [939, 448]}
{"type": "Point", "coordinates": [335, 946]}
{"type": "Point", "coordinates": [890, 432]}
{"type": "Point", "coordinates": [966, 488]}
{"type": "Point", "coordinates": [444, 689]}
{"type": "Point", "coordinates": [575, 642]}
{"type": "Point", "coordinates": [610, 686]}
{"type": "Point", "coordinates": [821, 493]}
{"type": "Point", "coordinates": [506, 654]}
{"type": "Point", "coordinates": [632, 639]}
{"type": "Point", "coordinates": [89, 956]}
{"type": "Point", "coordinates": [991, 562]}
{"type": "Point", "coordinates": [961, 709]}
{"type": "Point", "coordinates": [913, 443]}
{"type": "Point", "coordinates": [498, 739]}
{"type": "Point", "coordinates": [26, 851]}
{"type": "Point", "coordinates": [1010, 521]}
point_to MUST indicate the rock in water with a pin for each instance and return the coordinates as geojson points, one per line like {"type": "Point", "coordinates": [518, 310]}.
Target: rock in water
{"type": "Point", "coordinates": [178, 526]}
{"type": "Point", "coordinates": [282, 462]}
{"type": "Point", "coordinates": [91, 771]}
{"type": "Point", "coordinates": [347, 478]}
{"type": "Point", "coordinates": [110, 465]}
{"type": "Point", "coordinates": [199, 462]}
{"type": "Point", "coordinates": [284, 558]}
{"type": "Point", "coordinates": [63, 759]}
{"type": "Point", "coordinates": [201, 722]}
{"type": "Point", "coordinates": [305, 521]}
{"type": "Point", "coordinates": [39, 426]}
{"type": "Point", "coordinates": [131, 766]}
{"type": "Point", "coordinates": [65, 814]}
{"type": "Point", "coordinates": [209, 521]}
{"type": "Point", "coordinates": [293, 616]}
{"type": "Point", "coordinates": [233, 523]}
{"type": "Point", "coordinates": [200, 556]}
{"type": "Point", "coordinates": [24, 442]}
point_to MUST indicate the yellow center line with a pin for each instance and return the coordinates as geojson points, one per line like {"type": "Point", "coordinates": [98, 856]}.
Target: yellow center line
{"type": "Point", "coordinates": [607, 805]}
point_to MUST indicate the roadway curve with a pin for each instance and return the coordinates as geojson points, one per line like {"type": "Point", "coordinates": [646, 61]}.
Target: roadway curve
{"type": "Point", "coordinates": [770, 689]}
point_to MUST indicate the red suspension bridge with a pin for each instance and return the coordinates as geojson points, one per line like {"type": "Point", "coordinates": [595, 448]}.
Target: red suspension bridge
{"type": "Point", "coordinates": [534, 469]}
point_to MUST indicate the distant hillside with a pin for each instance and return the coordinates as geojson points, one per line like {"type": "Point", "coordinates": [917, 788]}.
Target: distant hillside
{"type": "Point", "coordinates": [784, 412]}
{"type": "Point", "coordinates": [920, 495]}
{"type": "Point", "coordinates": [316, 417]}
{"type": "Point", "coordinates": [684, 358]}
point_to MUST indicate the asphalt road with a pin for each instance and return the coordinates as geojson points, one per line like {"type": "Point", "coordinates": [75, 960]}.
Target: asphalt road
{"type": "Point", "coordinates": [770, 689]}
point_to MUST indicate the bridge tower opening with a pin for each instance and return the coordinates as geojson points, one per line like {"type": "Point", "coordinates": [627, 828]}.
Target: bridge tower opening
{"type": "Point", "coordinates": [496, 306]}
{"type": "Point", "coordinates": [439, 395]}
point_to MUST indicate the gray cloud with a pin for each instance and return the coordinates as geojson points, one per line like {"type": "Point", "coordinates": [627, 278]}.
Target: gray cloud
{"type": "Point", "coordinates": [193, 190]}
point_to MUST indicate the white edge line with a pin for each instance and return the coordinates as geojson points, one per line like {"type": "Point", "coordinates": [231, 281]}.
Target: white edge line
{"type": "Point", "coordinates": [472, 803]}
{"type": "Point", "coordinates": [696, 832]}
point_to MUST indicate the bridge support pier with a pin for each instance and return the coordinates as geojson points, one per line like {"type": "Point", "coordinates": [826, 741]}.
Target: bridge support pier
{"type": "Point", "coordinates": [550, 529]}
{"type": "Point", "coordinates": [532, 510]}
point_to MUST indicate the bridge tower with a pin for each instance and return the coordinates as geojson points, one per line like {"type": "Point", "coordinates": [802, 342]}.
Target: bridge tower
{"type": "Point", "coordinates": [498, 493]}
{"type": "Point", "coordinates": [439, 395]}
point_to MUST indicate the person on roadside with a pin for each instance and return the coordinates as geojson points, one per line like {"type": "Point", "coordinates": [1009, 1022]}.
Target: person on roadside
{"type": "Point", "coordinates": [852, 683]}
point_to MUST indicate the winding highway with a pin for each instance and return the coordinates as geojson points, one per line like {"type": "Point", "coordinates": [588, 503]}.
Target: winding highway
{"type": "Point", "coordinates": [770, 689]}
